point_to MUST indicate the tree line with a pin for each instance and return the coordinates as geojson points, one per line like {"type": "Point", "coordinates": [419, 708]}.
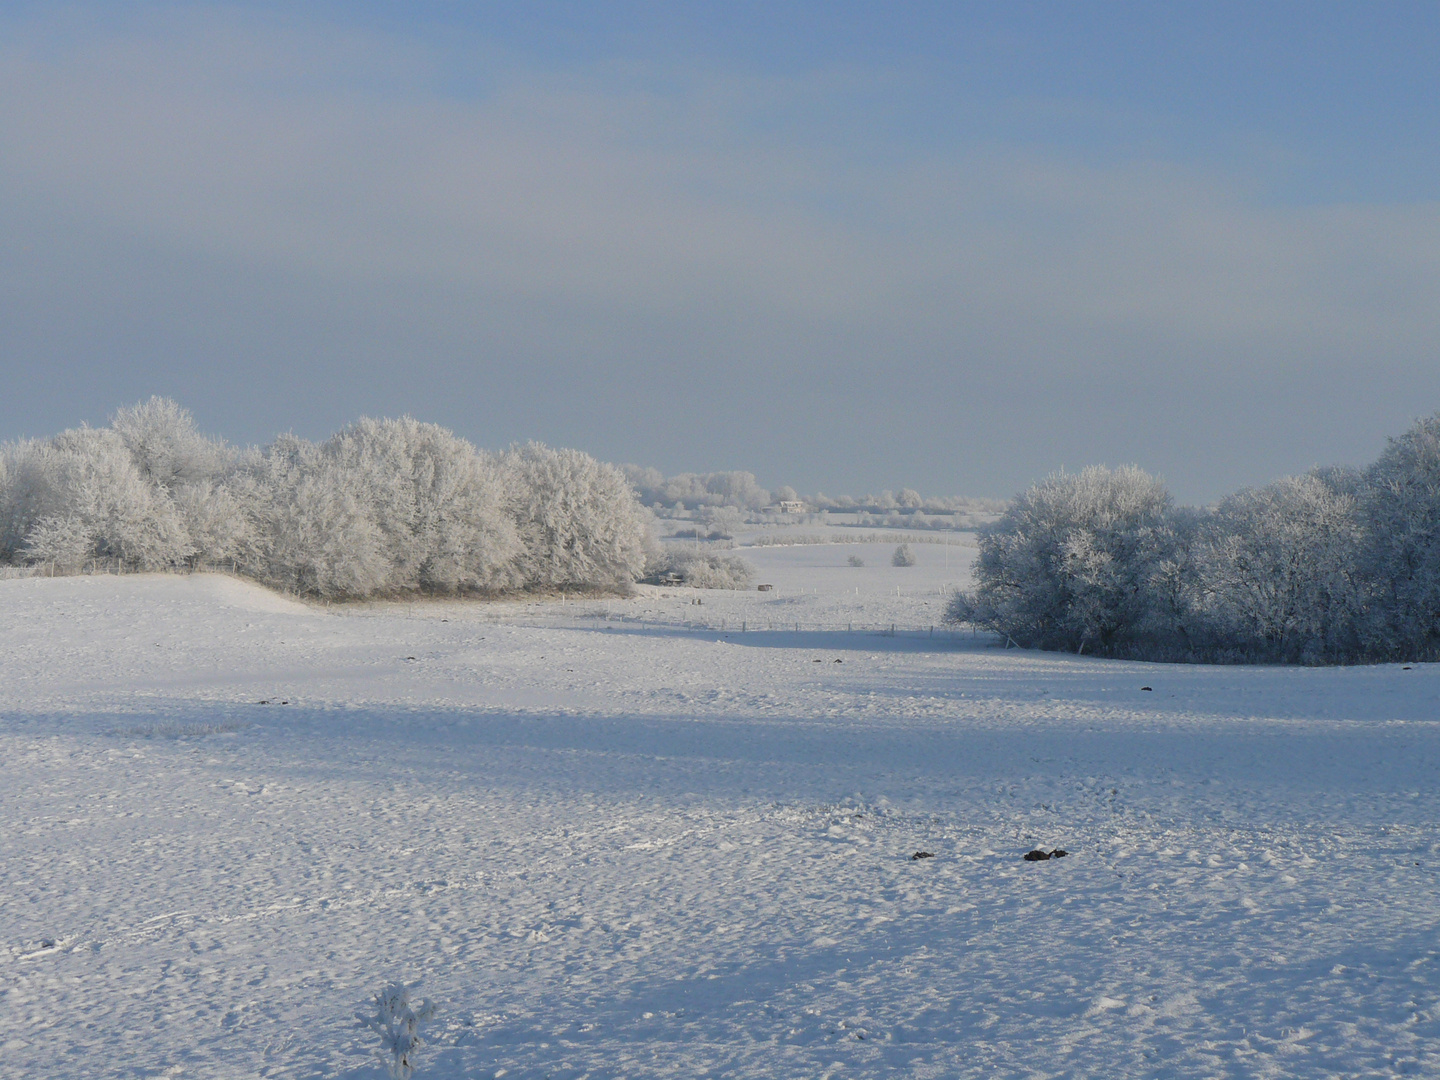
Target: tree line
{"type": "Point", "coordinates": [383, 507]}
{"type": "Point", "coordinates": [1339, 565]}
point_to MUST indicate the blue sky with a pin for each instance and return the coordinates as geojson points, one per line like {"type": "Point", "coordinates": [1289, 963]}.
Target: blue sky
{"type": "Point", "coordinates": [844, 246]}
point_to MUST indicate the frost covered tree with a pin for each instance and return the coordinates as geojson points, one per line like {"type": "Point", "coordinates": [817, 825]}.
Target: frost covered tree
{"type": "Point", "coordinates": [146, 493]}
{"type": "Point", "coordinates": [437, 503]}
{"type": "Point", "coordinates": [736, 489]}
{"type": "Point", "coordinates": [1279, 570]}
{"type": "Point", "coordinates": [580, 524]}
{"type": "Point", "coordinates": [695, 490]}
{"type": "Point", "coordinates": [78, 499]}
{"type": "Point", "coordinates": [19, 494]}
{"type": "Point", "coordinates": [193, 471]}
{"type": "Point", "coordinates": [902, 556]}
{"type": "Point", "coordinates": [1401, 558]}
{"type": "Point", "coordinates": [316, 534]}
{"type": "Point", "coordinates": [382, 507]}
{"type": "Point", "coordinates": [1103, 561]}
{"type": "Point", "coordinates": [1335, 566]}
{"type": "Point", "coordinates": [1177, 626]}
{"type": "Point", "coordinates": [218, 522]}
{"type": "Point", "coordinates": [166, 447]}
{"type": "Point", "coordinates": [721, 522]}
{"type": "Point", "coordinates": [647, 483]}
{"type": "Point", "coordinates": [1070, 565]}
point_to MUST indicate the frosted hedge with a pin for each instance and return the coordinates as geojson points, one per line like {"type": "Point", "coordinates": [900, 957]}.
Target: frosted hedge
{"type": "Point", "coordinates": [1337, 566]}
{"type": "Point", "coordinates": [384, 507]}
{"type": "Point", "coordinates": [699, 567]}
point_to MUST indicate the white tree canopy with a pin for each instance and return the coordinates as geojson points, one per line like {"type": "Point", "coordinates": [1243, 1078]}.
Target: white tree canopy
{"type": "Point", "coordinates": [383, 507]}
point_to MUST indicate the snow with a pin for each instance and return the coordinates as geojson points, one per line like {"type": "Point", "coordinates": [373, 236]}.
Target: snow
{"type": "Point", "coordinates": [608, 839]}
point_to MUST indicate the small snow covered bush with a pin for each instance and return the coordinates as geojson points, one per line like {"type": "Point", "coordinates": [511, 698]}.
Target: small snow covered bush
{"type": "Point", "coordinates": [856, 560]}
{"type": "Point", "coordinates": [701, 569]}
{"type": "Point", "coordinates": [398, 1024]}
{"type": "Point", "coordinates": [903, 556]}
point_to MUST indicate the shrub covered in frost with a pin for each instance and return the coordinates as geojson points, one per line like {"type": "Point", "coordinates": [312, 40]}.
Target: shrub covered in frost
{"type": "Point", "coordinates": [698, 568]}
{"type": "Point", "coordinates": [142, 494]}
{"type": "Point", "coordinates": [316, 535]}
{"type": "Point", "coordinates": [194, 472]}
{"type": "Point", "coordinates": [903, 556]}
{"type": "Point", "coordinates": [398, 1022]}
{"type": "Point", "coordinates": [391, 506]}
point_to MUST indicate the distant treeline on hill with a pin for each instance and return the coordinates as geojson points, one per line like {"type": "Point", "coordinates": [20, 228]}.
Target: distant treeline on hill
{"type": "Point", "coordinates": [384, 507]}
{"type": "Point", "coordinates": [741, 491]}
{"type": "Point", "coordinates": [1337, 566]}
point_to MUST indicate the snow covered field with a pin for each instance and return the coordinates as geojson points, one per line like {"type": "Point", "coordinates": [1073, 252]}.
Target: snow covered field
{"type": "Point", "coordinates": [645, 848]}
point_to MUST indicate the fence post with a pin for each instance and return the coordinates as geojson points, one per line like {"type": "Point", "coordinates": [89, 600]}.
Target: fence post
{"type": "Point", "coordinates": [742, 626]}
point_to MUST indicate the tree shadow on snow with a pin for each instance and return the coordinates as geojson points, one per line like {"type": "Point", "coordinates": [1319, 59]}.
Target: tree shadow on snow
{"type": "Point", "coordinates": [941, 640]}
